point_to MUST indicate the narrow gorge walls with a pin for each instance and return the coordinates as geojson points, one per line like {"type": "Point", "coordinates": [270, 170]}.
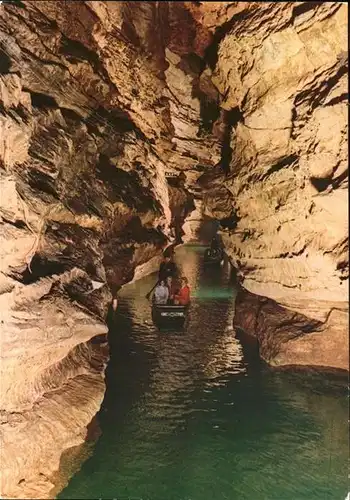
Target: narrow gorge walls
{"type": "Point", "coordinates": [284, 67]}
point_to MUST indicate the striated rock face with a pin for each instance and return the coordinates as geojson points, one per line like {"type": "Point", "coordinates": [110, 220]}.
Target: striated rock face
{"type": "Point", "coordinates": [286, 337]}
{"type": "Point", "coordinates": [35, 437]}
{"type": "Point", "coordinates": [282, 72]}
{"type": "Point", "coordinates": [100, 104]}
{"type": "Point", "coordinates": [90, 124]}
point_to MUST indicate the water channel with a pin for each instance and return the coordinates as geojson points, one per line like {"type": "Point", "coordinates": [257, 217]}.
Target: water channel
{"type": "Point", "coordinates": [194, 415]}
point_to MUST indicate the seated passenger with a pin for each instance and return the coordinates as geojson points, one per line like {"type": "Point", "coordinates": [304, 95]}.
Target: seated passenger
{"type": "Point", "coordinates": [207, 253]}
{"type": "Point", "coordinates": [182, 298]}
{"type": "Point", "coordinates": [173, 288]}
{"type": "Point", "coordinates": [214, 246]}
{"type": "Point", "coordinates": [161, 293]}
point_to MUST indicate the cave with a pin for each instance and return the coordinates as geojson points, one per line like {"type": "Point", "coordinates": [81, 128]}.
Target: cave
{"type": "Point", "coordinates": [39, 267]}
{"type": "Point", "coordinates": [5, 62]}
{"type": "Point", "coordinates": [43, 101]}
{"type": "Point", "coordinates": [134, 130]}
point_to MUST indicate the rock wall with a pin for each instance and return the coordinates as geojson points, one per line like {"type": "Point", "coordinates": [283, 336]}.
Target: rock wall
{"type": "Point", "coordinates": [286, 337]}
{"type": "Point", "coordinates": [281, 69]}
{"type": "Point", "coordinates": [34, 437]}
{"type": "Point", "coordinates": [89, 128]}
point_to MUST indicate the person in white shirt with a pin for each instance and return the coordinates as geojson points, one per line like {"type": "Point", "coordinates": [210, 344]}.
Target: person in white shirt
{"type": "Point", "coordinates": [161, 293]}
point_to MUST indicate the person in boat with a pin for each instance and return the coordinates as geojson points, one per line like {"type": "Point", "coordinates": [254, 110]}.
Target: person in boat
{"type": "Point", "coordinates": [183, 297]}
{"type": "Point", "coordinates": [173, 288]}
{"type": "Point", "coordinates": [161, 293]}
{"type": "Point", "coordinates": [112, 311]}
{"type": "Point", "coordinates": [215, 249]}
{"type": "Point", "coordinates": [167, 268]}
{"type": "Point", "coordinates": [115, 303]}
{"type": "Point", "coordinates": [214, 246]}
{"type": "Point", "coordinates": [212, 251]}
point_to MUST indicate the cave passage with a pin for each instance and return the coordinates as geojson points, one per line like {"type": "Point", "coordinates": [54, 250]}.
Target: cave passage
{"type": "Point", "coordinates": [194, 415]}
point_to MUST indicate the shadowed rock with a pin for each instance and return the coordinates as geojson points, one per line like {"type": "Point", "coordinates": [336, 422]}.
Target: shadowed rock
{"type": "Point", "coordinates": [288, 338]}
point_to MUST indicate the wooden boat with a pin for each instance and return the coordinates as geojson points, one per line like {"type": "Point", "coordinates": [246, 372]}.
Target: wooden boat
{"type": "Point", "coordinates": [169, 315]}
{"type": "Point", "coordinates": [213, 257]}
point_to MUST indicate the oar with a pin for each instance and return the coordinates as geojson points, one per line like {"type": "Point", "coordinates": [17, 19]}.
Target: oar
{"type": "Point", "coordinates": [149, 293]}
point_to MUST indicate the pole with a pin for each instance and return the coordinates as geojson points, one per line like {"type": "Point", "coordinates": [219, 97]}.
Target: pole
{"type": "Point", "coordinates": [149, 293]}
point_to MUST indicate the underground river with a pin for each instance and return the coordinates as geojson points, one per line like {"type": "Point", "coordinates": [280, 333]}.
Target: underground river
{"type": "Point", "coordinates": [194, 416]}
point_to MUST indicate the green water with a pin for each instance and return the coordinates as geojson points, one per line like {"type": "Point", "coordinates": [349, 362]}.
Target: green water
{"type": "Point", "coordinates": [194, 416]}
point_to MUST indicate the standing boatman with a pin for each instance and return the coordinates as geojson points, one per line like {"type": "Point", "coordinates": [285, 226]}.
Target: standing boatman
{"type": "Point", "coordinates": [167, 268]}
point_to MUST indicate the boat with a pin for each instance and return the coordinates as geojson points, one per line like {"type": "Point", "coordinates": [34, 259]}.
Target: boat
{"type": "Point", "coordinates": [213, 257]}
{"type": "Point", "coordinates": [169, 315]}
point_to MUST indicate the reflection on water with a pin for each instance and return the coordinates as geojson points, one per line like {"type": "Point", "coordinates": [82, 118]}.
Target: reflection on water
{"type": "Point", "coordinates": [190, 415]}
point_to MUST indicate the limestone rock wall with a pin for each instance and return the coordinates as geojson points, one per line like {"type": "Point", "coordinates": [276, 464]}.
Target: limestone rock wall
{"type": "Point", "coordinates": [289, 338]}
{"type": "Point", "coordinates": [35, 437]}
{"type": "Point", "coordinates": [86, 140]}
{"type": "Point", "coordinates": [281, 69]}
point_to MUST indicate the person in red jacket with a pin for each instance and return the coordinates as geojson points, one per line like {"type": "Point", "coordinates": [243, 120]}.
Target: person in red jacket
{"type": "Point", "coordinates": [183, 297]}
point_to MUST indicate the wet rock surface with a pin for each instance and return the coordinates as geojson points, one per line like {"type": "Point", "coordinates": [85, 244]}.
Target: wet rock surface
{"type": "Point", "coordinates": [85, 142]}
{"type": "Point", "coordinates": [282, 72]}
{"type": "Point", "coordinates": [289, 338]}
